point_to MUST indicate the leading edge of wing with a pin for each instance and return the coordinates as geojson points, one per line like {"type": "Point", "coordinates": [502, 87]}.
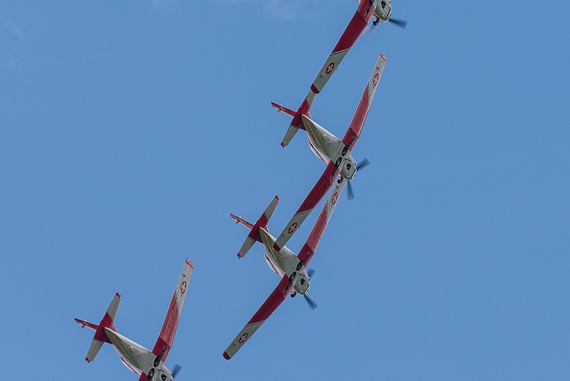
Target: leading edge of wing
{"type": "Point", "coordinates": [315, 196]}
{"type": "Point", "coordinates": [267, 308]}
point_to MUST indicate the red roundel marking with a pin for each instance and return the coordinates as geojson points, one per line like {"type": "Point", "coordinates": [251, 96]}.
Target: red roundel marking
{"type": "Point", "coordinates": [334, 198]}
{"type": "Point", "coordinates": [183, 287]}
{"type": "Point", "coordinates": [330, 68]}
{"type": "Point", "coordinates": [292, 228]}
{"type": "Point", "coordinates": [376, 79]}
{"type": "Point", "coordinates": [243, 338]}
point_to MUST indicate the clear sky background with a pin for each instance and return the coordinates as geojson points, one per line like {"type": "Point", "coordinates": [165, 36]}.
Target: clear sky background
{"type": "Point", "coordinates": [130, 130]}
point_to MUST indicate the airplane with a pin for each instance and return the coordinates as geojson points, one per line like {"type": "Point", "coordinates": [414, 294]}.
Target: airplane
{"type": "Point", "coordinates": [334, 152]}
{"type": "Point", "coordinates": [148, 365]}
{"type": "Point", "coordinates": [291, 268]}
{"type": "Point", "coordinates": [381, 10]}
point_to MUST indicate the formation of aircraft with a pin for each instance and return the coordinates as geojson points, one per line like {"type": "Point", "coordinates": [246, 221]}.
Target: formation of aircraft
{"type": "Point", "coordinates": [149, 365]}
{"type": "Point", "coordinates": [381, 11]}
{"type": "Point", "coordinates": [291, 268]}
{"type": "Point", "coordinates": [335, 153]}
{"type": "Point", "coordinates": [341, 168]}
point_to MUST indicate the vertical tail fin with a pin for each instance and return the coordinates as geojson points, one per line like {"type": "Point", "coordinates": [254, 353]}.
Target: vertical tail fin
{"type": "Point", "coordinates": [100, 336]}
{"type": "Point", "coordinates": [254, 233]}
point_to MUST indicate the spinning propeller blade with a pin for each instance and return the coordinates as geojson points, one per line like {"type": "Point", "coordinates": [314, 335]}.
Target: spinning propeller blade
{"type": "Point", "coordinates": [401, 23]}
{"type": "Point", "coordinates": [310, 272]}
{"type": "Point", "coordinates": [363, 164]}
{"type": "Point", "coordinates": [350, 192]}
{"type": "Point", "coordinates": [311, 302]}
{"type": "Point", "coordinates": [369, 29]}
{"type": "Point", "coordinates": [176, 370]}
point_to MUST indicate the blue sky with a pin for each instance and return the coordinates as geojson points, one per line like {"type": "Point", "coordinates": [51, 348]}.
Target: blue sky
{"type": "Point", "coordinates": [129, 132]}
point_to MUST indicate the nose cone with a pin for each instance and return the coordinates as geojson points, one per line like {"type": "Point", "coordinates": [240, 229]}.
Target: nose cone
{"type": "Point", "coordinates": [302, 285]}
{"type": "Point", "coordinates": [383, 10]}
{"type": "Point", "coordinates": [348, 170]}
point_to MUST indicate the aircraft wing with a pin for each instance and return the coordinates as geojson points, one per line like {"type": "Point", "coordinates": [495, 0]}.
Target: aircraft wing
{"type": "Point", "coordinates": [353, 30]}
{"type": "Point", "coordinates": [310, 246]}
{"type": "Point", "coordinates": [166, 337]}
{"type": "Point", "coordinates": [355, 128]}
{"type": "Point", "coordinates": [311, 201]}
{"type": "Point", "coordinates": [267, 308]}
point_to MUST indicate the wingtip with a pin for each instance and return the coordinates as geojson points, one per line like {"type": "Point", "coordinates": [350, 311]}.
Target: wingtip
{"type": "Point", "coordinates": [226, 356]}
{"type": "Point", "coordinates": [189, 263]}
{"type": "Point", "coordinates": [282, 144]}
{"type": "Point", "coordinates": [87, 359]}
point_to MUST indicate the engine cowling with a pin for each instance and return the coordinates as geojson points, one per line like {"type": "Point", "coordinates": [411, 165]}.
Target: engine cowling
{"type": "Point", "coordinates": [348, 170]}
{"type": "Point", "coordinates": [302, 284]}
{"type": "Point", "coordinates": [383, 10]}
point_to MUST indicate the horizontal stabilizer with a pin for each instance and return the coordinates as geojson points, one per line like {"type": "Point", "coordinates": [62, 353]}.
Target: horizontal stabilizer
{"type": "Point", "coordinates": [254, 229]}
{"type": "Point", "coordinates": [93, 350]}
{"type": "Point", "coordinates": [100, 336]}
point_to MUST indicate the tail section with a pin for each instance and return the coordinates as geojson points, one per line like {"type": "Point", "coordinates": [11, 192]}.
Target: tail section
{"type": "Point", "coordinates": [166, 337]}
{"type": "Point", "coordinates": [296, 123]}
{"type": "Point", "coordinates": [254, 233]}
{"type": "Point", "coordinates": [100, 336]}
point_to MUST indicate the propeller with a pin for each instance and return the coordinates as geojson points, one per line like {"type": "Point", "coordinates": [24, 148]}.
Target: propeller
{"type": "Point", "coordinates": [176, 370]}
{"type": "Point", "coordinates": [311, 302]}
{"type": "Point", "coordinates": [310, 272]}
{"type": "Point", "coordinates": [363, 164]}
{"type": "Point", "coordinates": [400, 23]}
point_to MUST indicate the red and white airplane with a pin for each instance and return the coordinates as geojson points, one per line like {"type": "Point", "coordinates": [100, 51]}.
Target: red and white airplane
{"type": "Point", "coordinates": [288, 266]}
{"type": "Point", "coordinates": [149, 365]}
{"type": "Point", "coordinates": [381, 10]}
{"type": "Point", "coordinates": [334, 152]}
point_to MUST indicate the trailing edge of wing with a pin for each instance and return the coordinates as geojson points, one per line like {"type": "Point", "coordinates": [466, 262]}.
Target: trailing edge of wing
{"type": "Point", "coordinates": [267, 308]}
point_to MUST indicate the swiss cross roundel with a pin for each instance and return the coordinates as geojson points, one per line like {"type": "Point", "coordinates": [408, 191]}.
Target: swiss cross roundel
{"type": "Point", "coordinates": [243, 338]}
{"type": "Point", "coordinates": [330, 68]}
{"type": "Point", "coordinates": [183, 287]}
{"type": "Point", "coordinates": [376, 79]}
{"type": "Point", "coordinates": [292, 228]}
{"type": "Point", "coordinates": [334, 198]}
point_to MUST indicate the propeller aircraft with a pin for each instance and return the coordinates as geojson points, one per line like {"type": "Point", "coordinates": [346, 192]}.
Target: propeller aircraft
{"type": "Point", "coordinates": [148, 365]}
{"type": "Point", "coordinates": [291, 268]}
{"type": "Point", "coordinates": [332, 151]}
{"type": "Point", "coordinates": [381, 10]}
